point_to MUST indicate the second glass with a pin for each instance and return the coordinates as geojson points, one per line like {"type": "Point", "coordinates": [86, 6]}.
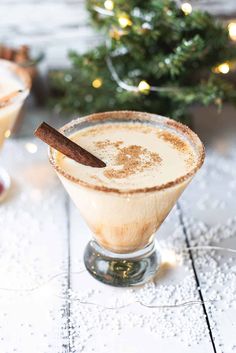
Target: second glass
{"type": "Point", "coordinates": [14, 88]}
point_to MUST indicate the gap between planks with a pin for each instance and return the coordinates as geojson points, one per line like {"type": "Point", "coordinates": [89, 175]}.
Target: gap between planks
{"type": "Point", "coordinates": [191, 256]}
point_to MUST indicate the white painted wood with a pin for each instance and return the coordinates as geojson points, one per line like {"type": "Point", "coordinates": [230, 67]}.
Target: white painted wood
{"type": "Point", "coordinates": [33, 249]}
{"type": "Point", "coordinates": [49, 26]}
{"type": "Point", "coordinates": [209, 207]}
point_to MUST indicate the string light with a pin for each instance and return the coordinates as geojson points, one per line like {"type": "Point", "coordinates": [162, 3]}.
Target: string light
{"type": "Point", "coordinates": [116, 33]}
{"type": "Point", "coordinates": [169, 257]}
{"type": "Point", "coordinates": [31, 147]}
{"type": "Point", "coordinates": [109, 5]}
{"type": "Point", "coordinates": [144, 87]}
{"type": "Point", "coordinates": [97, 83]}
{"type": "Point", "coordinates": [232, 30]}
{"type": "Point", "coordinates": [7, 134]}
{"type": "Point", "coordinates": [103, 11]}
{"type": "Point", "coordinates": [186, 7]}
{"type": "Point", "coordinates": [222, 69]}
{"type": "Point", "coordinates": [124, 21]}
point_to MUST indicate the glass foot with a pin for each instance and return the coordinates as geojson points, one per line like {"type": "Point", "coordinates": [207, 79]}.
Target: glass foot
{"type": "Point", "coordinates": [121, 270]}
{"type": "Point", "coordinates": [5, 183]}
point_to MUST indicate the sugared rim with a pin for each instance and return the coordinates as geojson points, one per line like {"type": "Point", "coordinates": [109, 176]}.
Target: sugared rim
{"type": "Point", "coordinates": [146, 117]}
{"type": "Point", "coordinates": [22, 74]}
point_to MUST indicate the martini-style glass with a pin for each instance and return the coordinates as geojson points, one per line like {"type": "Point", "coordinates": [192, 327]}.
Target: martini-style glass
{"type": "Point", "coordinates": [123, 250]}
{"type": "Point", "coordinates": [14, 88]}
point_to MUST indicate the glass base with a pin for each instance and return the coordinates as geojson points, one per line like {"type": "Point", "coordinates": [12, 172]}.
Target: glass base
{"type": "Point", "coordinates": [5, 183]}
{"type": "Point", "coordinates": [122, 270]}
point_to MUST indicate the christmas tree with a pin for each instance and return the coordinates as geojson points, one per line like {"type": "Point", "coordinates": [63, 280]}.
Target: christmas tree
{"type": "Point", "coordinates": [157, 56]}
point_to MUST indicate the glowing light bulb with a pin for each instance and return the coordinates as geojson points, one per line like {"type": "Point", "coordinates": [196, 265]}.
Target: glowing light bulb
{"type": "Point", "coordinates": [223, 68]}
{"type": "Point", "coordinates": [169, 257]}
{"type": "Point", "coordinates": [124, 21]}
{"type": "Point", "coordinates": [186, 7]}
{"type": "Point", "coordinates": [7, 134]}
{"type": "Point", "coordinates": [144, 87]}
{"type": "Point", "coordinates": [31, 147]}
{"type": "Point", "coordinates": [116, 33]}
{"type": "Point", "coordinates": [97, 83]}
{"type": "Point", "coordinates": [232, 30]}
{"type": "Point", "coordinates": [109, 5]}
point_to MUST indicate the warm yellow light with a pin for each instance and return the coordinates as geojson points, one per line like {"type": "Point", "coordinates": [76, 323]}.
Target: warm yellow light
{"type": "Point", "coordinates": [232, 30]}
{"type": "Point", "coordinates": [7, 134]}
{"type": "Point", "coordinates": [186, 8]}
{"type": "Point", "coordinates": [223, 68]}
{"type": "Point", "coordinates": [31, 147]}
{"type": "Point", "coordinates": [97, 83]}
{"type": "Point", "coordinates": [169, 257]}
{"type": "Point", "coordinates": [109, 5]}
{"type": "Point", "coordinates": [115, 34]}
{"type": "Point", "coordinates": [144, 87]}
{"type": "Point", "coordinates": [124, 21]}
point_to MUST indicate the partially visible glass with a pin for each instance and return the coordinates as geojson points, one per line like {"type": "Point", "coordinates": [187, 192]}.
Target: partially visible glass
{"type": "Point", "coordinates": [14, 81]}
{"type": "Point", "coordinates": [123, 250]}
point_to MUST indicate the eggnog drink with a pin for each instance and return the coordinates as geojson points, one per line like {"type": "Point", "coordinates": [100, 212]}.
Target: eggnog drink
{"type": "Point", "coordinates": [146, 167]}
{"type": "Point", "coordinates": [13, 80]}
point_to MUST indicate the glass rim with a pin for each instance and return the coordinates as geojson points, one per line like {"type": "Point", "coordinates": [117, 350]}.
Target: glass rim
{"type": "Point", "coordinates": [23, 75]}
{"type": "Point", "coordinates": [170, 123]}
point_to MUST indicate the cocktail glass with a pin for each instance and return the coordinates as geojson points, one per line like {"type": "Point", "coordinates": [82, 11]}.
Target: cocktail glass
{"type": "Point", "coordinates": [9, 110]}
{"type": "Point", "coordinates": [123, 250]}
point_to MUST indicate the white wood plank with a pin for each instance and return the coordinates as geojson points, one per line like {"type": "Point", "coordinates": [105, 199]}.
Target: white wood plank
{"type": "Point", "coordinates": [33, 249]}
{"type": "Point", "coordinates": [209, 206]}
{"type": "Point", "coordinates": [49, 26]}
{"type": "Point", "coordinates": [136, 328]}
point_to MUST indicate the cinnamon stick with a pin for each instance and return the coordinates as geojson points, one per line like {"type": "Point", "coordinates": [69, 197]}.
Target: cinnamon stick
{"type": "Point", "coordinates": [67, 147]}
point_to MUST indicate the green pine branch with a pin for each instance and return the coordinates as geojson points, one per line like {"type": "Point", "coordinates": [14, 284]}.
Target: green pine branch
{"type": "Point", "coordinates": [161, 45]}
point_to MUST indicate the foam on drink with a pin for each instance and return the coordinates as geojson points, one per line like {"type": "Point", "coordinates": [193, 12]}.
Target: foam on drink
{"type": "Point", "coordinates": [136, 156]}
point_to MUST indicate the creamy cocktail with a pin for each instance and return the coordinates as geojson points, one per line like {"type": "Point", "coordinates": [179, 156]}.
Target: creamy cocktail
{"type": "Point", "coordinates": [14, 88]}
{"type": "Point", "coordinates": [149, 161]}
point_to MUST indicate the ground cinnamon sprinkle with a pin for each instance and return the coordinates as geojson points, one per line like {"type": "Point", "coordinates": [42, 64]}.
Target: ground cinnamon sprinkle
{"type": "Point", "coordinates": [132, 159]}
{"type": "Point", "coordinates": [105, 143]}
{"type": "Point", "coordinates": [179, 144]}
{"type": "Point", "coordinates": [190, 160]}
{"type": "Point", "coordinates": [96, 178]}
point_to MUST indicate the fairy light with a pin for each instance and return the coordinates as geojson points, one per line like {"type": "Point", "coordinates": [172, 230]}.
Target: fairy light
{"type": "Point", "coordinates": [186, 7]}
{"type": "Point", "coordinates": [144, 87]}
{"type": "Point", "coordinates": [31, 147]}
{"type": "Point", "coordinates": [169, 257]}
{"type": "Point", "coordinates": [116, 33]}
{"type": "Point", "coordinates": [97, 83]}
{"type": "Point", "coordinates": [232, 30]}
{"type": "Point", "coordinates": [7, 134]}
{"type": "Point", "coordinates": [124, 21]}
{"type": "Point", "coordinates": [222, 68]}
{"type": "Point", "coordinates": [109, 5]}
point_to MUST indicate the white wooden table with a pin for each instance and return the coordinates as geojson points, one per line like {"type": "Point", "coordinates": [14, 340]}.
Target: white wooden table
{"type": "Point", "coordinates": [50, 304]}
